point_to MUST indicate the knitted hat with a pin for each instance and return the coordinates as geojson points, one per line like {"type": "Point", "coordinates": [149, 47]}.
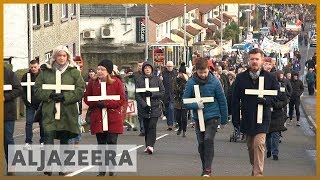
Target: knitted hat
{"type": "Point", "coordinates": [91, 70]}
{"type": "Point", "coordinates": [182, 68]}
{"type": "Point", "coordinates": [107, 64]}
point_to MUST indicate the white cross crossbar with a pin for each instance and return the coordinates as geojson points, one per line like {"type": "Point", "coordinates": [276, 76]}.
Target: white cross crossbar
{"type": "Point", "coordinates": [7, 87]}
{"type": "Point", "coordinates": [260, 92]}
{"type": "Point", "coordinates": [29, 83]}
{"type": "Point", "coordinates": [147, 88]}
{"type": "Point", "coordinates": [58, 87]}
{"type": "Point", "coordinates": [195, 100]}
{"type": "Point", "coordinates": [104, 96]}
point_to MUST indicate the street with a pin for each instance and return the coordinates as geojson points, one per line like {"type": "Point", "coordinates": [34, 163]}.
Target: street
{"type": "Point", "coordinates": [178, 156]}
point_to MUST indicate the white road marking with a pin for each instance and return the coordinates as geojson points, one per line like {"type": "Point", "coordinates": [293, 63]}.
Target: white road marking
{"type": "Point", "coordinates": [89, 167]}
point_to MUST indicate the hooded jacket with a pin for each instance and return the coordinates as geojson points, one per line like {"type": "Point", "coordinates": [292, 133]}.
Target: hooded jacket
{"type": "Point", "coordinates": [10, 96]}
{"type": "Point", "coordinates": [68, 109]}
{"type": "Point", "coordinates": [154, 81]}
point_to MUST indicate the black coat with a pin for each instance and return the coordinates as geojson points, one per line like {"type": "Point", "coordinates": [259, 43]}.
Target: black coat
{"type": "Point", "coordinates": [10, 96]}
{"type": "Point", "coordinates": [297, 88]}
{"type": "Point", "coordinates": [156, 109]}
{"type": "Point", "coordinates": [249, 106]}
{"type": "Point", "coordinates": [278, 117]}
{"type": "Point", "coordinates": [168, 78]}
{"type": "Point", "coordinates": [34, 101]}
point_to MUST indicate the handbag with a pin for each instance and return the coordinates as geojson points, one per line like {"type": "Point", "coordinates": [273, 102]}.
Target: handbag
{"type": "Point", "coordinates": [38, 114]}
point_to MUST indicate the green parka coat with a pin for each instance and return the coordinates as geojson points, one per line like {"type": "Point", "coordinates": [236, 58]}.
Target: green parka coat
{"type": "Point", "coordinates": [68, 123]}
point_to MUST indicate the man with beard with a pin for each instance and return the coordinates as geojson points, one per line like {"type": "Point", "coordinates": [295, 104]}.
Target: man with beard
{"type": "Point", "coordinates": [256, 132]}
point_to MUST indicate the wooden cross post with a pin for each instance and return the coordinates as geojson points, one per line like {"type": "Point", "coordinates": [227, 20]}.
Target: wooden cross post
{"type": "Point", "coordinates": [29, 83]}
{"type": "Point", "coordinates": [7, 87]}
{"type": "Point", "coordinates": [260, 92]}
{"type": "Point", "coordinates": [147, 88]}
{"type": "Point", "coordinates": [58, 87]}
{"type": "Point", "coordinates": [104, 96]}
{"type": "Point", "coordinates": [197, 99]}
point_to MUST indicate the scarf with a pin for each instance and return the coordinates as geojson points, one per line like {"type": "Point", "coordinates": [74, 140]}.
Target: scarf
{"type": "Point", "coordinates": [60, 67]}
{"type": "Point", "coordinates": [200, 81]}
{"type": "Point", "coordinates": [256, 75]}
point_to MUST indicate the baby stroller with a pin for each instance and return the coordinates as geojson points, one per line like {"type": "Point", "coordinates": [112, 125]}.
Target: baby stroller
{"type": "Point", "coordinates": [237, 135]}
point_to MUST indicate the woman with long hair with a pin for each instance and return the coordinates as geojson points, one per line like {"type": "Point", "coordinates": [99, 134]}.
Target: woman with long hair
{"type": "Point", "coordinates": [114, 86]}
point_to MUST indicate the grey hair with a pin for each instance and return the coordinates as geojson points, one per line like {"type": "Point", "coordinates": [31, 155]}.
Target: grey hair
{"type": "Point", "coordinates": [56, 52]}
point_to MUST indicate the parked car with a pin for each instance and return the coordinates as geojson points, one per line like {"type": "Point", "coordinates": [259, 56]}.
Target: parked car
{"type": "Point", "coordinates": [313, 41]}
{"type": "Point", "coordinates": [264, 31]}
{"type": "Point", "coordinates": [237, 47]}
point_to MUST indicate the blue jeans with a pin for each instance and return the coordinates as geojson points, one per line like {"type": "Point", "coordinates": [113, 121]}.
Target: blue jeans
{"type": "Point", "coordinates": [170, 113]}
{"type": "Point", "coordinates": [206, 142]}
{"type": "Point", "coordinates": [141, 124]}
{"type": "Point", "coordinates": [8, 136]}
{"type": "Point", "coordinates": [30, 111]}
{"type": "Point", "coordinates": [272, 142]}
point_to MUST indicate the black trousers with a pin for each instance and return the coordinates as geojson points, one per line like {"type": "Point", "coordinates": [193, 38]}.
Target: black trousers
{"type": "Point", "coordinates": [106, 138]}
{"type": "Point", "coordinates": [181, 116]}
{"type": "Point", "coordinates": [150, 128]}
{"type": "Point", "coordinates": [206, 142]}
{"type": "Point", "coordinates": [311, 88]}
{"type": "Point", "coordinates": [294, 103]}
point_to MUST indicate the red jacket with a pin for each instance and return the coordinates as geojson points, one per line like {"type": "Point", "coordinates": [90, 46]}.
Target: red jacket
{"type": "Point", "coordinates": [115, 121]}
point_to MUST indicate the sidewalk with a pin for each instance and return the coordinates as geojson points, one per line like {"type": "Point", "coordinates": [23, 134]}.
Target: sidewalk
{"type": "Point", "coordinates": [308, 104]}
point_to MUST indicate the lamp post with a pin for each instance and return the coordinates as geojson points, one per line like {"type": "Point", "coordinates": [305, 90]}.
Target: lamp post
{"type": "Point", "coordinates": [248, 11]}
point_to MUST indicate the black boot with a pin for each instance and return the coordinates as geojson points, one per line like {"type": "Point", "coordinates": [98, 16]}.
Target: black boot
{"type": "Point", "coordinates": [178, 132]}
{"type": "Point", "coordinates": [47, 173]}
{"type": "Point", "coordinates": [101, 174]}
{"type": "Point", "coordinates": [183, 134]}
{"type": "Point", "coordinates": [62, 173]}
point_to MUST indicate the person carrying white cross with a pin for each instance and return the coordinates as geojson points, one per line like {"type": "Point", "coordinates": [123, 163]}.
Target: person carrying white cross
{"type": "Point", "coordinates": [248, 85]}
{"type": "Point", "coordinates": [59, 73]}
{"type": "Point", "coordinates": [31, 102]}
{"type": "Point", "coordinates": [12, 90]}
{"type": "Point", "coordinates": [106, 96]}
{"type": "Point", "coordinates": [205, 96]}
{"type": "Point", "coordinates": [149, 93]}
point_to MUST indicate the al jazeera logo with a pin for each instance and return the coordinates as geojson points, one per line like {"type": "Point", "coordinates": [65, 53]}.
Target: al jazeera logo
{"type": "Point", "coordinates": [54, 158]}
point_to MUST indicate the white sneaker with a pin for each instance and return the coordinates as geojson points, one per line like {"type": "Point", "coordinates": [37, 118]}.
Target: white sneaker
{"type": "Point", "coordinates": [146, 150]}
{"type": "Point", "coordinates": [218, 127]}
{"type": "Point", "coordinates": [41, 145]}
{"type": "Point", "coordinates": [150, 149]}
{"type": "Point", "coordinates": [164, 118]}
{"type": "Point", "coordinates": [27, 147]}
{"type": "Point", "coordinates": [298, 123]}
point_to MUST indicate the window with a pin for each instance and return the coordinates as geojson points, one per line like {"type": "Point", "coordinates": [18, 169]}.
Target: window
{"type": "Point", "coordinates": [158, 31]}
{"type": "Point", "coordinates": [225, 8]}
{"type": "Point", "coordinates": [36, 14]}
{"type": "Point", "coordinates": [74, 49]}
{"type": "Point", "coordinates": [64, 11]}
{"type": "Point", "coordinates": [74, 9]}
{"type": "Point", "coordinates": [47, 12]}
{"type": "Point", "coordinates": [167, 27]}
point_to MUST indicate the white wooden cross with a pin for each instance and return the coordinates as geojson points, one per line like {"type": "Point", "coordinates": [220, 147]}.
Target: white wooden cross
{"type": "Point", "coordinates": [197, 99]}
{"type": "Point", "coordinates": [58, 87]}
{"type": "Point", "coordinates": [147, 88]}
{"type": "Point", "coordinates": [104, 96]}
{"type": "Point", "coordinates": [29, 83]}
{"type": "Point", "coordinates": [7, 87]}
{"type": "Point", "coordinates": [260, 92]}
